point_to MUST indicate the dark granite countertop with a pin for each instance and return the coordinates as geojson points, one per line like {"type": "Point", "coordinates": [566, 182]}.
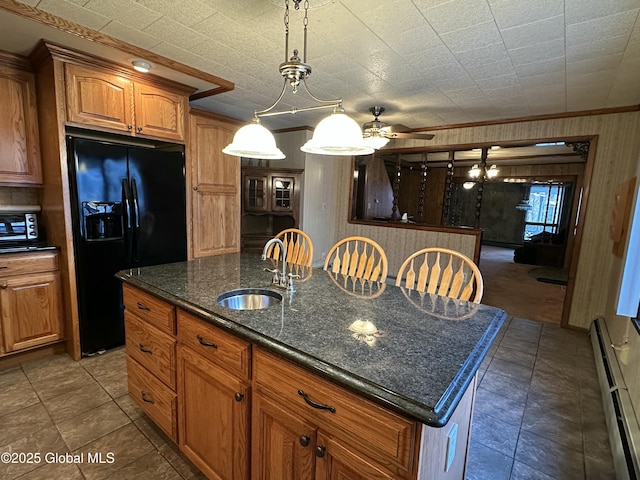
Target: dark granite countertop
{"type": "Point", "coordinates": [417, 363]}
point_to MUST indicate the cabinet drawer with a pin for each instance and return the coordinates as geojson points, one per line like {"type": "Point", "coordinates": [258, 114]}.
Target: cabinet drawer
{"type": "Point", "coordinates": [21, 263]}
{"type": "Point", "coordinates": [149, 308]}
{"type": "Point", "coordinates": [155, 398]}
{"type": "Point", "coordinates": [377, 432]}
{"type": "Point", "coordinates": [215, 344]}
{"type": "Point", "coordinates": [153, 349]}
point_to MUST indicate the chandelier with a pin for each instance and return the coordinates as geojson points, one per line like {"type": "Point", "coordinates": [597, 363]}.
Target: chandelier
{"type": "Point", "coordinates": [337, 134]}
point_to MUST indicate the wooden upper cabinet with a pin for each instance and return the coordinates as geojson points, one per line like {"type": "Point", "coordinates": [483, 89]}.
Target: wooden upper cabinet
{"type": "Point", "coordinates": [19, 143]}
{"type": "Point", "coordinates": [215, 186]}
{"type": "Point", "coordinates": [105, 100]}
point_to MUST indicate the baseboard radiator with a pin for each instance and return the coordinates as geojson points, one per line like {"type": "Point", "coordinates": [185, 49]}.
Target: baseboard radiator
{"type": "Point", "coordinates": [624, 431]}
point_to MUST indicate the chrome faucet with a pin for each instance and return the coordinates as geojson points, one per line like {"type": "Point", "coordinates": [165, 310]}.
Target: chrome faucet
{"type": "Point", "coordinates": [279, 278]}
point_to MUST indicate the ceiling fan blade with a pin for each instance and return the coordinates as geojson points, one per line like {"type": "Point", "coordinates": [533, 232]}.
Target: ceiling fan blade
{"type": "Point", "coordinates": [418, 136]}
{"type": "Point", "coordinates": [396, 128]}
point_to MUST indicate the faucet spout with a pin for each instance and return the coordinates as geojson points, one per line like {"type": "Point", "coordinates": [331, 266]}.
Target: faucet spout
{"type": "Point", "coordinates": [283, 276]}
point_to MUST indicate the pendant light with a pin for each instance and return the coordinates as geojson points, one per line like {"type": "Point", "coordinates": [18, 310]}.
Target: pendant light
{"type": "Point", "coordinates": [337, 134]}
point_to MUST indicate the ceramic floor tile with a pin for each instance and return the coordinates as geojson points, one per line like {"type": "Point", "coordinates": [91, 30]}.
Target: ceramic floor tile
{"type": "Point", "coordinates": [545, 423]}
{"type": "Point", "coordinates": [495, 434]}
{"type": "Point", "coordinates": [127, 444]}
{"type": "Point", "coordinates": [506, 386]}
{"type": "Point", "coordinates": [487, 464]}
{"type": "Point", "coordinates": [511, 370]}
{"type": "Point", "coordinates": [16, 392]}
{"type": "Point", "coordinates": [499, 406]}
{"type": "Point", "coordinates": [550, 457]}
{"type": "Point", "coordinates": [152, 466]}
{"type": "Point", "coordinates": [49, 367]}
{"type": "Point", "coordinates": [521, 471]}
{"type": "Point", "coordinates": [562, 403]}
{"type": "Point", "coordinates": [150, 430]}
{"type": "Point", "coordinates": [128, 406]}
{"type": "Point", "coordinates": [523, 346]}
{"type": "Point", "coordinates": [599, 468]}
{"type": "Point", "coordinates": [49, 471]}
{"type": "Point", "coordinates": [515, 355]}
{"type": "Point", "coordinates": [76, 402]}
{"type": "Point", "coordinates": [91, 425]}
{"type": "Point", "coordinates": [23, 422]}
{"type": "Point", "coordinates": [107, 363]}
{"type": "Point", "coordinates": [113, 381]}
{"type": "Point", "coordinates": [523, 335]}
{"type": "Point", "coordinates": [42, 441]}
{"type": "Point", "coordinates": [61, 383]}
{"type": "Point", "coordinates": [178, 461]}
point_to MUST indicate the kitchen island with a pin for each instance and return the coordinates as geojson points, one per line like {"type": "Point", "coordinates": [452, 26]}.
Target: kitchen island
{"type": "Point", "coordinates": [401, 365]}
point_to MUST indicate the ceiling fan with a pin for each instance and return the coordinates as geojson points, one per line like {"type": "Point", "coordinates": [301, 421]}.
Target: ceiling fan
{"type": "Point", "coordinates": [377, 133]}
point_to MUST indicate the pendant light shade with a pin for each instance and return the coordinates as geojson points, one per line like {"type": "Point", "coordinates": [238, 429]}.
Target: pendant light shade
{"type": "Point", "coordinates": [337, 134]}
{"type": "Point", "coordinates": [376, 141]}
{"type": "Point", "coordinates": [254, 141]}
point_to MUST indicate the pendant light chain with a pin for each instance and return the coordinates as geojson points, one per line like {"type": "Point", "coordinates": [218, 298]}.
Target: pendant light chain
{"type": "Point", "coordinates": [305, 22]}
{"type": "Point", "coordinates": [286, 30]}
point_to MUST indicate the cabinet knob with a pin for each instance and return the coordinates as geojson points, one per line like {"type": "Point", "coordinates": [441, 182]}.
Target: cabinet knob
{"type": "Point", "coordinates": [195, 188]}
{"type": "Point", "coordinates": [320, 451]}
{"type": "Point", "coordinates": [139, 129]}
{"type": "Point", "coordinates": [238, 396]}
{"type": "Point", "coordinates": [130, 127]}
{"type": "Point", "coordinates": [4, 286]}
{"type": "Point", "coordinates": [304, 440]}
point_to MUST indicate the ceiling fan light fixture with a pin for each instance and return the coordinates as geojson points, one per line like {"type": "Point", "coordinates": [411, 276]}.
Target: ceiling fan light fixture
{"type": "Point", "coordinates": [337, 134]}
{"type": "Point", "coordinates": [375, 141]}
{"type": "Point", "coordinates": [254, 141]}
{"type": "Point", "coordinates": [493, 171]}
{"type": "Point", "coordinates": [475, 171]}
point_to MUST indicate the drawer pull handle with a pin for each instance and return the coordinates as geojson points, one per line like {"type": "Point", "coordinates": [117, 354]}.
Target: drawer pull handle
{"type": "Point", "coordinates": [144, 398]}
{"type": "Point", "coordinates": [320, 451]}
{"type": "Point", "coordinates": [143, 307]}
{"type": "Point", "coordinates": [319, 406]}
{"type": "Point", "coordinates": [145, 349]}
{"type": "Point", "coordinates": [205, 343]}
{"type": "Point", "coordinates": [3, 267]}
{"type": "Point", "coordinates": [238, 396]}
{"type": "Point", "coordinates": [304, 440]}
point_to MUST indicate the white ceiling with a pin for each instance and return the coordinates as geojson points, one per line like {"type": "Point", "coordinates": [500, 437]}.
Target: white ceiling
{"type": "Point", "coordinates": [429, 62]}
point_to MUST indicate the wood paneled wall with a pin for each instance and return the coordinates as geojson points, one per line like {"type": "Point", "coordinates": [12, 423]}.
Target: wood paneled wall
{"type": "Point", "coordinates": [614, 160]}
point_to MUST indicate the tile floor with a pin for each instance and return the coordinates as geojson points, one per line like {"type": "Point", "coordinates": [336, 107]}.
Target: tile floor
{"type": "Point", "coordinates": [538, 415]}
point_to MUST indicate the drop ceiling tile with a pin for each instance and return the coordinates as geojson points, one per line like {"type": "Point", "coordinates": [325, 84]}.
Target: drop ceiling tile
{"type": "Point", "coordinates": [509, 13]}
{"type": "Point", "coordinates": [454, 83]}
{"type": "Point", "coordinates": [618, 25]}
{"type": "Point", "coordinates": [595, 79]}
{"type": "Point", "coordinates": [607, 62]}
{"type": "Point", "coordinates": [439, 56]}
{"type": "Point", "coordinates": [176, 53]}
{"type": "Point", "coordinates": [578, 11]}
{"type": "Point", "coordinates": [601, 47]}
{"type": "Point", "coordinates": [126, 12]}
{"type": "Point", "coordinates": [222, 29]}
{"type": "Point", "coordinates": [74, 13]}
{"type": "Point", "coordinates": [543, 80]}
{"type": "Point", "coordinates": [470, 94]}
{"type": "Point", "coordinates": [483, 55]}
{"type": "Point", "coordinates": [416, 40]}
{"type": "Point", "coordinates": [533, 33]}
{"type": "Point", "coordinates": [556, 90]}
{"type": "Point", "coordinates": [515, 111]}
{"type": "Point", "coordinates": [34, 3]}
{"type": "Point", "coordinates": [130, 35]}
{"type": "Point", "coordinates": [543, 67]}
{"type": "Point", "coordinates": [472, 37]}
{"type": "Point", "coordinates": [536, 53]}
{"type": "Point", "coordinates": [389, 18]}
{"type": "Point", "coordinates": [174, 33]}
{"type": "Point", "coordinates": [176, 10]}
{"type": "Point", "coordinates": [456, 14]}
{"type": "Point", "coordinates": [623, 93]}
{"type": "Point", "coordinates": [501, 81]}
{"type": "Point", "coordinates": [487, 70]}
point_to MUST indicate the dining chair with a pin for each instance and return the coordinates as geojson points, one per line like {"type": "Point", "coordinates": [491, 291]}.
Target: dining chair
{"type": "Point", "coordinates": [358, 257]}
{"type": "Point", "coordinates": [443, 272]}
{"type": "Point", "coordinates": [298, 245]}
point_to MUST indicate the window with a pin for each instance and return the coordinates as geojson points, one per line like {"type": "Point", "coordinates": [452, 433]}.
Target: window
{"type": "Point", "coordinates": [547, 204]}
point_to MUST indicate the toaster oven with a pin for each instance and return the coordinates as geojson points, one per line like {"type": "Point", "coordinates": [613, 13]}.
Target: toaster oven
{"type": "Point", "coordinates": [18, 227]}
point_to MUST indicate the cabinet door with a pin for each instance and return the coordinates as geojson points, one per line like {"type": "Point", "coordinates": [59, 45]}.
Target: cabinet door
{"type": "Point", "coordinates": [98, 98]}
{"type": "Point", "coordinates": [335, 461]}
{"type": "Point", "coordinates": [282, 443]}
{"type": "Point", "coordinates": [214, 417]}
{"type": "Point", "coordinates": [282, 194]}
{"type": "Point", "coordinates": [159, 113]}
{"type": "Point", "coordinates": [255, 193]}
{"type": "Point", "coordinates": [31, 310]}
{"type": "Point", "coordinates": [19, 143]}
{"type": "Point", "coordinates": [215, 189]}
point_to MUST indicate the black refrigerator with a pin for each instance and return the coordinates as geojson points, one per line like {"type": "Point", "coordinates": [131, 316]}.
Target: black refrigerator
{"type": "Point", "coordinates": [129, 210]}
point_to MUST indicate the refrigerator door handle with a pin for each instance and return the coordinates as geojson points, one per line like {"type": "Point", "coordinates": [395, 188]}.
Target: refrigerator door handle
{"type": "Point", "coordinates": [126, 197]}
{"type": "Point", "coordinates": [136, 225]}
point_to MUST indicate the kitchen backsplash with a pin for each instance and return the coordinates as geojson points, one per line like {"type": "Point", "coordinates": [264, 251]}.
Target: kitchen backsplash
{"type": "Point", "coordinates": [18, 196]}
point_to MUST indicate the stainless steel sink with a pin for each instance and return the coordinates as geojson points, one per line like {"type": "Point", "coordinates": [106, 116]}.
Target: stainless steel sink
{"type": "Point", "coordinates": [249, 299]}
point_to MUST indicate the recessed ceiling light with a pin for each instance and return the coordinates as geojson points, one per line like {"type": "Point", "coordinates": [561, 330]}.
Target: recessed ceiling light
{"type": "Point", "coordinates": [141, 66]}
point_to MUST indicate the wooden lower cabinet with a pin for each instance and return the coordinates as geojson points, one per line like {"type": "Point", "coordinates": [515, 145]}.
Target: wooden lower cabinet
{"type": "Point", "coordinates": [214, 417]}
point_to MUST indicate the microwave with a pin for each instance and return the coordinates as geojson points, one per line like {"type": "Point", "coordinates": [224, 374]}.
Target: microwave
{"type": "Point", "coordinates": [18, 227]}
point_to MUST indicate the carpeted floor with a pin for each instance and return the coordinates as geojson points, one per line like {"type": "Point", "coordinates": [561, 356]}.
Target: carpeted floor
{"type": "Point", "coordinates": [509, 286]}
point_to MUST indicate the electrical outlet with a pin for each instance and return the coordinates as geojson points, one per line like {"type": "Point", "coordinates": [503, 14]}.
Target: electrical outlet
{"type": "Point", "coordinates": [452, 438]}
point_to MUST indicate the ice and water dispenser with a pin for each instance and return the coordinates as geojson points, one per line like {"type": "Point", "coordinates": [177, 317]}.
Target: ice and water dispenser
{"type": "Point", "coordinates": [102, 220]}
